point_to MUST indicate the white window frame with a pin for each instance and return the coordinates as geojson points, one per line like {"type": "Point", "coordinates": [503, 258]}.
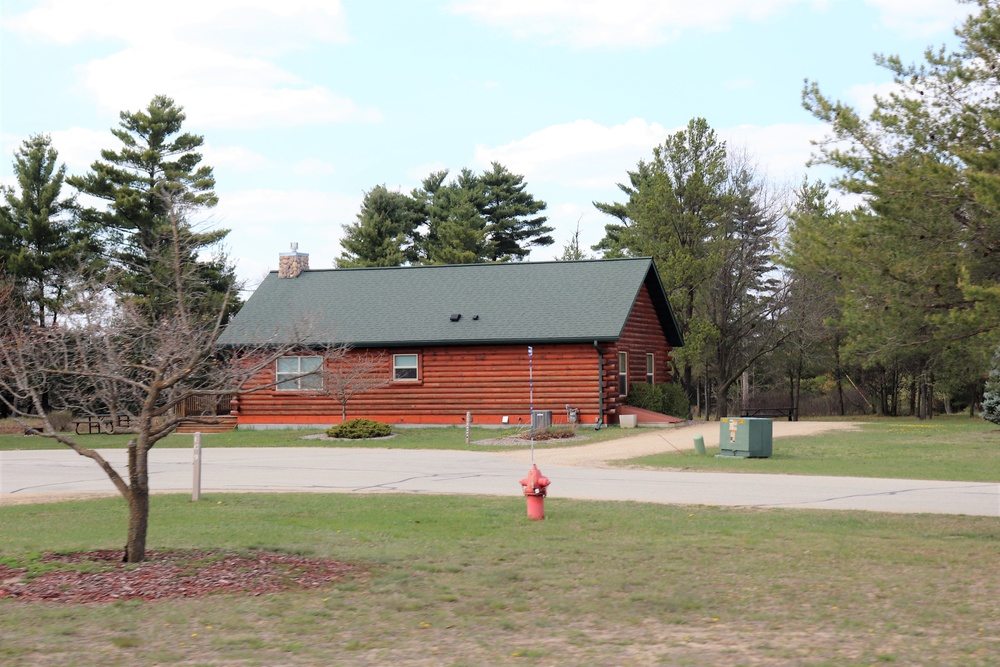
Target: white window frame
{"type": "Point", "coordinates": [650, 368]}
{"type": "Point", "coordinates": [292, 368]}
{"type": "Point", "coordinates": [623, 374]}
{"type": "Point", "coordinates": [398, 367]}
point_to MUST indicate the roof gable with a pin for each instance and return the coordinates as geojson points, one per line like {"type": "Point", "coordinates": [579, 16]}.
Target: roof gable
{"type": "Point", "coordinates": [517, 302]}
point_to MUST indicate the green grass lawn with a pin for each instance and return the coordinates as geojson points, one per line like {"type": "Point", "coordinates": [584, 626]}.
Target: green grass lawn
{"type": "Point", "coordinates": [947, 448]}
{"type": "Point", "coordinates": [449, 437]}
{"type": "Point", "coordinates": [469, 581]}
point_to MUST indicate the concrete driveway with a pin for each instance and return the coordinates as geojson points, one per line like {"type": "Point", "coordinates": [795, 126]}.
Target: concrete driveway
{"type": "Point", "coordinates": [38, 476]}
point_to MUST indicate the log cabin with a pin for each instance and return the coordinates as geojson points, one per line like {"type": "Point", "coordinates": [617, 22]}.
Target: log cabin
{"type": "Point", "coordinates": [500, 341]}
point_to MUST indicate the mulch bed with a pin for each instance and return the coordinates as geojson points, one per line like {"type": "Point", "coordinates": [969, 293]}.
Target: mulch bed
{"type": "Point", "coordinates": [101, 577]}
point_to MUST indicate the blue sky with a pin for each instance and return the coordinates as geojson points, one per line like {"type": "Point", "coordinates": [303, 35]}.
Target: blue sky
{"type": "Point", "coordinates": [307, 104]}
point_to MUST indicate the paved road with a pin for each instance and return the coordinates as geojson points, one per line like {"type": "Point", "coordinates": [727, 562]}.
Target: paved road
{"type": "Point", "coordinates": [25, 475]}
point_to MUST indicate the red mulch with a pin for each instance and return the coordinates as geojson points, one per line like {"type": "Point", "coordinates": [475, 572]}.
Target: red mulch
{"type": "Point", "coordinates": [168, 574]}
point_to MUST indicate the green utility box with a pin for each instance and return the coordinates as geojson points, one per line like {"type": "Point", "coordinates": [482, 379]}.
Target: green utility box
{"type": "Point", "coordinates": [745, 437]}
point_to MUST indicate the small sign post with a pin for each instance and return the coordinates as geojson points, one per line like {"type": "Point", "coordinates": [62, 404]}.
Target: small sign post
{"type": "Point", "coordinates": [196, 485]}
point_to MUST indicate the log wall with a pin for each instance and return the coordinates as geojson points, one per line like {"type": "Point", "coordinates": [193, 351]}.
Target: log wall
{"type": "Point", "coordinates": [642, 335]}
{"type": "Point", "coordinates": [491, 381]}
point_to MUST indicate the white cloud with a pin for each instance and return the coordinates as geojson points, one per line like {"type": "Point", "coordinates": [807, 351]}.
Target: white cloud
{"type": "Point", "coordinates": [580, 154]}
{"type": "Point", "coordinates": [196, 52]}
{"type": "Point", "coordinates": [265, 222]}
{"type": "Point", "coordinates": [253, 25]}
{"type": "Point", "coordinates": [216, 89]}
{"type": "Point", "coordinates": [599, 23]}
{"type": "Point", "coordinates": [78, 147]}
{"type": "Point", "coordinates": [920, 18]}
{"type": "Point", "coordinates": [780, 150]}
{"type": "Point", "coordinates": [586, 155]}
{"type": "Point", "coordinates": [573, 164]}
{"type": "Point", "coordinates": [861, 96]}
{"type": "Point", "coordinates": [235, 158]}
{"type": "Point", "coordinates": [628, 23]}
{"type": "Point", "coordinates": [419, 172]}
{"type": "Point", "coordinates": [314, 168]}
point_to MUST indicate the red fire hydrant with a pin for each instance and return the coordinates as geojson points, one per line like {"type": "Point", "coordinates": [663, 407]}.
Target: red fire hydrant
{"type": "Point", "coordinates": [535, 487]}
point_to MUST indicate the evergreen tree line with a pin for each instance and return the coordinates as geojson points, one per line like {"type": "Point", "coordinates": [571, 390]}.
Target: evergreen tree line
{"type": "Point", "coordinates": [52, 246]}
{"type": "Point", "coordinates": [786, 298]}
{"type": "Point", "coordinates": [892, 306]}
{"type": "Point", "coordinates": [138, 247]}
{"type": "Point", "coordinates": [487, 217]}
{"type": "Point", "coordinates": [908, 282]}
{"type": "Point", "coordinates": [889, 307]}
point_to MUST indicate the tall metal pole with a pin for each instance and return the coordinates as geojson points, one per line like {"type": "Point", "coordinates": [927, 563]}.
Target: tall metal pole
{"type": "Point", "coordinates": [531, 401]}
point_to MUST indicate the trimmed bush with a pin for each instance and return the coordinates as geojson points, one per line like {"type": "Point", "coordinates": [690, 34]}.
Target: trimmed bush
{"type": "Point", "coordinates": [645, 396]}
{"type": "Point", "coordinates": [675, 401]}
{"type": "Point", "coordinates": [359, 429]}
{"type": "Point", "coordinates": [668, 398]}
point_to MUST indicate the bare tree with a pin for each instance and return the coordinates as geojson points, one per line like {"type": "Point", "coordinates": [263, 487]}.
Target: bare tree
{"type": "Point", "coordinates": [345, 374]}
{"type": "Point", "coordinates": [120, 358]}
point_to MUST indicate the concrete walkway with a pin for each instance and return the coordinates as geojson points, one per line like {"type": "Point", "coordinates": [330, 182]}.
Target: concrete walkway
{"type": "Point", "coordinates": [39, 476]}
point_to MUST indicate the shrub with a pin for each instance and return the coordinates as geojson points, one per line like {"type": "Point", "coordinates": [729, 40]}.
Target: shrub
{"type": "Point", "coordinates": [991, 397]}
{"type": "Point", "coordinates": [668, 398]}
{"type": "Point", "coordinates": [60, 419]}
{"type": "Point", "coordinates": [675, 401]}
{"type": "Point", "coordinates": [645, 396]}
{"type": "Point", "coordinates": [358, 429]}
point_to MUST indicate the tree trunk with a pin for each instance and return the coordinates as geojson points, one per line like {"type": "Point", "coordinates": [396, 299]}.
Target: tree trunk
{"type": "Point", "coordinates": [138, 523]}
{"type": "Point", "coordinates": [746, 391]}
{"type": "Point", "coordinates": [797, 390]}
{"type": "Point", "coordinates": [708, 398]}
{"type": "Point", "coordinates": [138, 502]}
{"type": "Point", "coordinates": [791, 386]}
{"type": "Point", "coordinates": [722, 400]}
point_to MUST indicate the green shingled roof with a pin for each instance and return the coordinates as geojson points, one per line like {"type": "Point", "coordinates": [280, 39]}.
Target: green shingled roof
{"type": "Point", "coordinates": [527, 302]}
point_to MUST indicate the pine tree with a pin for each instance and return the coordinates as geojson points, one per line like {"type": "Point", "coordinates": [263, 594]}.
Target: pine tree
{"type": "Point", "coordinates": [456, 232]}
{"type": "Point", "coordinates": [708, 221]}
{"type": "Point", "coordinates": [156, 173]}
{"type": "Point", "coordinates": [385, 231]}
{"type": "Point", "coordinates": [42, 248]}
{"type": "Point", "coordinates": [512, 223]}
{"type": "Point", "coordinates": [473, 218]}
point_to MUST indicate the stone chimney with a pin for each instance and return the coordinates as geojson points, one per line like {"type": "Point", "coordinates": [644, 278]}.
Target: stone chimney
{"type": "Point", "coordinates": [291, 264]}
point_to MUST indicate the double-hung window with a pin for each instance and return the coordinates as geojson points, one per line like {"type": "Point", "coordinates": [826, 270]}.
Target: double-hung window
{"type": "Point", "coordinates": [290, 373]}
{"type": "Point", "coordinates": [650, 366]}
{"type": "Point", "coordinates": [623, 373]}
{"type": "Point", "coordinates": [405, 367]}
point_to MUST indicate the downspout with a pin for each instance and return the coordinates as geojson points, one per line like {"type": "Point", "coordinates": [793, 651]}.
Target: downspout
{"type": "Point", "coordinates": [600, 386]}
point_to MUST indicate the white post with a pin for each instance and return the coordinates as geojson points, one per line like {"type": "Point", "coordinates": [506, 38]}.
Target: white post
{"type": "Point", "coordinates": [468, 424]}
{"type": "Point", "coordinates": [196, 486]}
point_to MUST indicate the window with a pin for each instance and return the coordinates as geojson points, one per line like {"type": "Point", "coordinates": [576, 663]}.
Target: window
{"type": "Point", "coordinates": [623, 373]}
{"type": "Point", "coordinates": [289, 373]}
{"type": "Point", "coordinates": [650, 365]}
{"type": "Point", "coordinates": [404, 367]}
